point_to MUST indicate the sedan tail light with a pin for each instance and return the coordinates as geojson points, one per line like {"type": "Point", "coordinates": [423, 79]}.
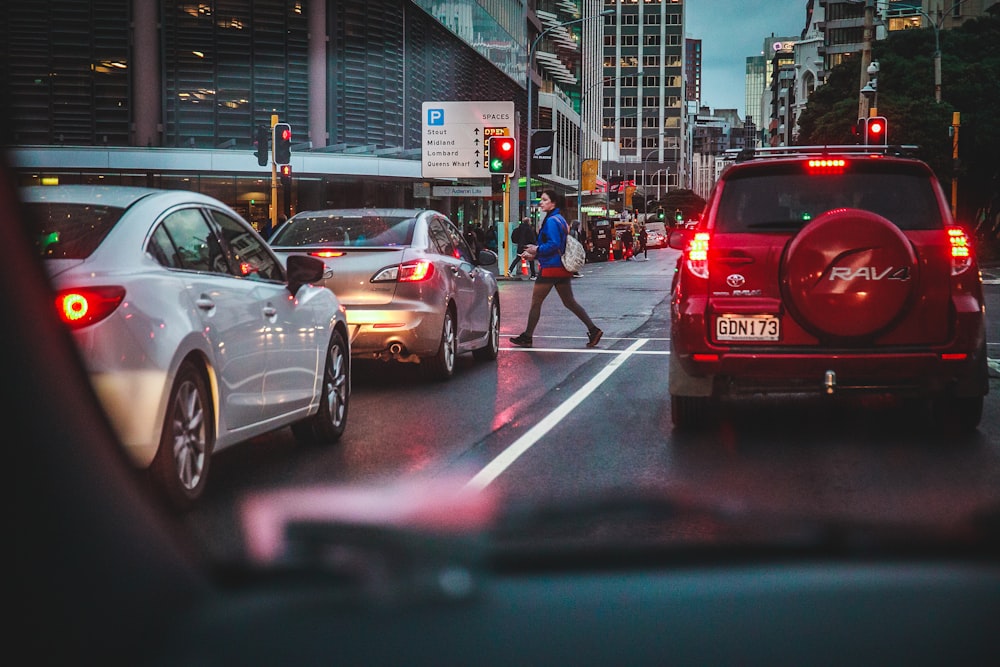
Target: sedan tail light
{"type": "Point", "coordinates": [408, 272]}
{"type": "Point", "coordinates": [79, 308]}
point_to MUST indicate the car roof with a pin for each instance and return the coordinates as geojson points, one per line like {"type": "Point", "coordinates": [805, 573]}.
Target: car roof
{"type": "Point", "coordinates": [120, 196]}
{"type": "Point", "coordinates": [361, 212]}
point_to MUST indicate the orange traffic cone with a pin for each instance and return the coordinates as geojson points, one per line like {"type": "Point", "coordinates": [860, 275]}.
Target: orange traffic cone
{"type": "Point", "coordinates": [524, 266]}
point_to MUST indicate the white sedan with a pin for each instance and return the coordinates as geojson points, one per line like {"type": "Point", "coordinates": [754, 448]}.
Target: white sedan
{"type": "Point", "coordinates": [195, 335]}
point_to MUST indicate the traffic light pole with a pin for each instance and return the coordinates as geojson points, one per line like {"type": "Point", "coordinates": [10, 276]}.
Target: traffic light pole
{"type": "Point", "coordinates": [274, 181]}
{"type": "Point", "coordinates": [505, 228]}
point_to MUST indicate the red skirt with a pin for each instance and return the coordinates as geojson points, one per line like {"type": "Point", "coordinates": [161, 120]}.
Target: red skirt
{"type": "Point", "coordinates": [553, 274]}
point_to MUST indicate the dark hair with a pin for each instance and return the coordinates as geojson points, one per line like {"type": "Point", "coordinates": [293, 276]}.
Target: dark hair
{"type": "Point", "coordinates": [557, 198]}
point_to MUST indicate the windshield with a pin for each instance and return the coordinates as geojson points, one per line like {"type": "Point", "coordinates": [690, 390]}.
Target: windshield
{"type": "Point", "coordinates": [345, 230]}
{"type": "Point", "coordinates": [319, 331]}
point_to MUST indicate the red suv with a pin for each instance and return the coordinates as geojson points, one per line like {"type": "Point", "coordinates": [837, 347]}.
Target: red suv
{"type": "Point", "coordinates": [825, 271]}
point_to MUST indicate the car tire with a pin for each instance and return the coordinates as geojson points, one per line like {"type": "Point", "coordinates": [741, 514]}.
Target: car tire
{"type": "Point", "coordinates": [687, 412]}
{"type": "Point", "coordinates": [180, 467]}
{"type": "Point", "coordinates": [441, 366]}
{"type": "Point", "coordinates": [489, 351]}
{"type": "Point", "coordinates": [330, 420]}
{"type": "Point", "coordinates": [956, 414]}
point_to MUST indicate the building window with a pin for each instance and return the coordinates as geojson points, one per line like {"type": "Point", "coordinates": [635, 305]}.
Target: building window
{"type": "Point", "coordinates": [651, 61]}
{"type": "Point", "coordinates": [650, 40]}
{"type": "Point", "coordinates": [629, 101]}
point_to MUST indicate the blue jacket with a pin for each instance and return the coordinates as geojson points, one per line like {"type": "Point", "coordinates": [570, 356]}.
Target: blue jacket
{"type": "Point", "coordinates": [552, 240]}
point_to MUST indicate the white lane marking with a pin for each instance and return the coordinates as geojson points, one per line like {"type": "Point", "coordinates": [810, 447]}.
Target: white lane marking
{"type": "Point", "coordinates": [592, 350]}
{"type": "Point", "coordinates": [503, 461]}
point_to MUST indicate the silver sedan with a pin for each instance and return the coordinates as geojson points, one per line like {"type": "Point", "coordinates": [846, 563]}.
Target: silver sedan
{"type": "Point", "coordinates": [414, 290]}
{"type": "Point", "coordinates": [195, 335]}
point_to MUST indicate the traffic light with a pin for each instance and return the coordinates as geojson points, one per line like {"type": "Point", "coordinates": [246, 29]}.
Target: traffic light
{"type": "Point", "coordinates": [285, 171]}
{"type": "Point", "coordinates": [877, 131]}
{"type": "Point", "coordinates": [503, 151]}
{"type": "Point", "coordinates": [678, 216]}
{"type": "Point", "coordinates": [860, 131]}
{"type": "Point", "coordinates": [260, 140]}
{"type": "Point", "coordinates": [660, 214]}
{"type": "Point", "coordinates": [282, 143]}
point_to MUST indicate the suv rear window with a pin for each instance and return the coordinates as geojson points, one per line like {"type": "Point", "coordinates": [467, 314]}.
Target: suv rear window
{"type": "Point", "coordinates": [785, 197]}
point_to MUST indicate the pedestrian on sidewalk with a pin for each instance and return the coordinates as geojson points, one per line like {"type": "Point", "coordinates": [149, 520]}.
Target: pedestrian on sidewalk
{"type": "Point", "coordinates": [522, 236]}
{"type": "Point", "coordinates": [551, 244]}
{"type": "Point", "coordinates": [643, 238]}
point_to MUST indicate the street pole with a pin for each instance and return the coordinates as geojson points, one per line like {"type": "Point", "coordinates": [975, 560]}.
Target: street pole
{"type": "Point", "coordinates": [866, 56]}
{"type": "Point", "coordinates": [531, 68]}
{"type": "Point", "coordinates": [274, 179]}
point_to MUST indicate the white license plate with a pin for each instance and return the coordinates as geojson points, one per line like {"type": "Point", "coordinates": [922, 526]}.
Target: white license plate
{"type": "Point", "coordinates": [747, 328]}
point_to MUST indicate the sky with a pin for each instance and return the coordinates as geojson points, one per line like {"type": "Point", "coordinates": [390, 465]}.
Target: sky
{"type": "Point", "coordinates": [730, 31]}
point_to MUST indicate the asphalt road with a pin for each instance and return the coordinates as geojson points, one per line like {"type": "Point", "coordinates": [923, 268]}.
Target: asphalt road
{"type": "Point", "coordinates": [563, 419]}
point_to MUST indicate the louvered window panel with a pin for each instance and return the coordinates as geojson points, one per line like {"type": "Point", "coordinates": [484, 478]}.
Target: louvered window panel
{"type": "Point", "coordinates": [67, 70]}
{"type": "Point", "coordinates": [230, 65]}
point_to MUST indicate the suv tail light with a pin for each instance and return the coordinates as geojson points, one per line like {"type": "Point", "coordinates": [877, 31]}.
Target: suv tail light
{"type": "Point", "coordinates": [79, 308]}
{"type": "Point", "coordinates": [961, 253]}
{"type": "Point", "coordinates": [697, 254]}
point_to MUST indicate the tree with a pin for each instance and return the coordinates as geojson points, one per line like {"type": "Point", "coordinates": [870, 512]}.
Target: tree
{"type": "Point", "coordinates": [970, 76]}
{"type": "Point", "coordinates": [690, 204]}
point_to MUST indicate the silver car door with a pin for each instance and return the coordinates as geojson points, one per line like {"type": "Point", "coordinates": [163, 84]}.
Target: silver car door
{"type": "Point", "coordinates": [231, 316]}
{"type": "Point", "coordinates": [471, 295]}
{"type": "Point", "coordinates": [294, 330]}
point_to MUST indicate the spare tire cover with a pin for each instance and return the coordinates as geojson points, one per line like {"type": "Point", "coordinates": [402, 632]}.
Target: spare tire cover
{"type": "Point", "coordinates": [849, 273]}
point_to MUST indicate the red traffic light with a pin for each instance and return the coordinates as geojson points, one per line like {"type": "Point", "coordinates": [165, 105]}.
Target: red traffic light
{"type": "Point", "coordinates": [286, 170]}
{"type": "Point", "coordinates": [877, 131]}
{"type": "Point", "coordinates": [282, 141]}
{"type": "Point", "coordinates": [502, 153]}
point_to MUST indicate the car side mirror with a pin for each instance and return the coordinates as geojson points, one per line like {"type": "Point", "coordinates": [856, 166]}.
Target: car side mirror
{"type": "Point", "coordinates": [303, 269]}
{"type": "Point", "coordinates": [678, 239]}
{"type": "Point", "coordinates": [487, 257]}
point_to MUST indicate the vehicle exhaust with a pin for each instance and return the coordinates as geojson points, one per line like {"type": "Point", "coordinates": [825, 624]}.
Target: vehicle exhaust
{"type": "Point", "coordinates": [397, 352]}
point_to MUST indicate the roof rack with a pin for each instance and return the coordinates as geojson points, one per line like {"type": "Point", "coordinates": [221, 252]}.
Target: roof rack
{"type": "Point", "coordinates": [743, 154]}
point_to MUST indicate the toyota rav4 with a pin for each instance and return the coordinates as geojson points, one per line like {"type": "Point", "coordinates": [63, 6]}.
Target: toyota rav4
{"type": "Point", "coordinates": [828, 271]}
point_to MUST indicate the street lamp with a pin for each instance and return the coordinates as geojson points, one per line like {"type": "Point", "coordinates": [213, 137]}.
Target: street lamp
{"type": "Point", "coordinates": [870, 89]}
{"type": "Point", "coordinates": [937, 25]}
{"type": "Point", "coordinates": [531, 68]}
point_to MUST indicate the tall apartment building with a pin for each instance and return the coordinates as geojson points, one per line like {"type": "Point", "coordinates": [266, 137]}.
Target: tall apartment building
{"type": "Point", "coordinates": [692, 71]}
{"type": "Point", "coordinates": [643, 112]}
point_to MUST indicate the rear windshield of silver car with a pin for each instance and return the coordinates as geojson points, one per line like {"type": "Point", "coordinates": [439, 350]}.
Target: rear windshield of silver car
{"type": "Point", "coordinates": [70, 231]}
{"type": "Point", "coordinates": [335, 229]}
{"type": "Point", "coordinates": [786, 197]}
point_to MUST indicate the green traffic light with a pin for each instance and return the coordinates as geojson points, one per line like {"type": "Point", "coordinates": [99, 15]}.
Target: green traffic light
{"type": "Point", "coordinates": [496, 164]}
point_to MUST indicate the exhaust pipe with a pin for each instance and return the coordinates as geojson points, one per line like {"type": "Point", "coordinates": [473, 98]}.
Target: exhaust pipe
{"type": "Point", "coordinates": [829, 381]}
{"type": "Point", "coordinates": [397, 352]}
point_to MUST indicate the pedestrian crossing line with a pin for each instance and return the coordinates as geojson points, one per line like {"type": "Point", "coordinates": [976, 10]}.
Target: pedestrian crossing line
{"type": "Point", "coordinates": [506, 458]}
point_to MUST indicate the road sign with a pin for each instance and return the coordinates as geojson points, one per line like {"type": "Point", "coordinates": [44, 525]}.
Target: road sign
{"type": "Point", "coordinates": [453, 143]}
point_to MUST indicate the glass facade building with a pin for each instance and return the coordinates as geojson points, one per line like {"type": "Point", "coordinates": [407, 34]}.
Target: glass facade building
{"type": "Point", "coordinates": [168, 94]}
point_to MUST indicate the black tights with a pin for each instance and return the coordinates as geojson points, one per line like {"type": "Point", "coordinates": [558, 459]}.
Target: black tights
{"type": "Point", "coordinates": [564, 289]}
